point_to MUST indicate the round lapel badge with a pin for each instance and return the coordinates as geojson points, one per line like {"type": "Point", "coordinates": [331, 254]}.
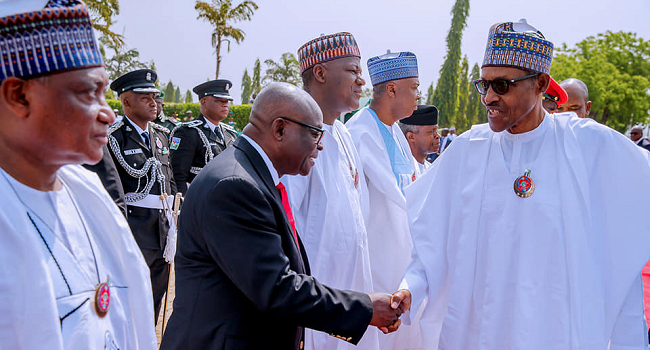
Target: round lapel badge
{"type": "Point", "coordinates": [356, 179]}
{"type": "Point", "coordinates": [102, 299]}
{"type": "Point", "coordinates": [524, 185]}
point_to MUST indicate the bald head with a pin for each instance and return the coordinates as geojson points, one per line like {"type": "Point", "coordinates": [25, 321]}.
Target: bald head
{"type": "Point", "coordinates": [578, 101]}
{"type": "Point", "coordinates": [286, 123]}
{"type": "Point", "coordinates": [636, 133]}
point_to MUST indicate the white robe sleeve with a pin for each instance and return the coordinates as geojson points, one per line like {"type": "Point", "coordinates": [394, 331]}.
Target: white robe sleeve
{"type": "Point", "coordinates": [415, 280]}
{"type": "Point", "coordinates": [630, 330]}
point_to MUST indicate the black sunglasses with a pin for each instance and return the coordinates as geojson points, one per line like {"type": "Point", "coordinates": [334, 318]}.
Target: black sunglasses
{"type": "Point", "coordinates": [499, 85]}
{"type": "Point", "coordinates": [319, 131]}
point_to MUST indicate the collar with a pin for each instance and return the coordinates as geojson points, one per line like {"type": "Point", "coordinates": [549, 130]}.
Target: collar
{"type": "Point", "coordinates": [267, 161]}
{"type": "Point", "coordinates": [529, 135]}
{"type": "Point", "coordinates": [208, 124]}
{"type": "Point", "coordinates": [137, 128]}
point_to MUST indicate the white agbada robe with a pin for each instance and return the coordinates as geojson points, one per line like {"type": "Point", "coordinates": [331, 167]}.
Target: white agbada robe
{"type": "Point", "coordinates": [388, 231]}
{"type": "Point", "coordinates": [558, 270]}
{"type": "Point", "coordinates": [35, 294]}
{"type": "Point", "coordinates": [330, 218]}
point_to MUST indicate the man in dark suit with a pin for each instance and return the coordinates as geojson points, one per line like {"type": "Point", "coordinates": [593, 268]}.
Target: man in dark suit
{"type": "Point", "coordinates": [110, 178]}
{"type": "Point", "coordinates": [195, 143]}
{"type": "Point", "coordinates": [242, 275]}
{"type": "Point", "coordinates": [636, 135]}
{"type": "Point", "coordinates": [140, 149]}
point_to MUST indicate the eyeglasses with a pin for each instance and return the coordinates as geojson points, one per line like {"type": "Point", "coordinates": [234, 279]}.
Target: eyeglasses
{"type": "Point", "coordinates": [499, 85]}
{"type": "Point", "coordinates": [635, 133]}
{"type": "Point", "coordinates": [313, 128]}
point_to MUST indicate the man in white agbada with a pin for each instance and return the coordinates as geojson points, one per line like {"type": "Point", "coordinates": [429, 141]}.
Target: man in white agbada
{"type": "Point", "coordinates": [388, 167]}
{"type": "Point", "coordinates": [330, 204]}
{"type": "Point", "coordinates": [421, 132]}
{"type": "Point", "coordinates": [71, 274]}
{"type": "Point", "coordinates": [540, 246]}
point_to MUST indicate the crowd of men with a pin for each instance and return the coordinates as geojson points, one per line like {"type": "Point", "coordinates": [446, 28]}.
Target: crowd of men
{"type": "Point", "coordinates": [303, 231]}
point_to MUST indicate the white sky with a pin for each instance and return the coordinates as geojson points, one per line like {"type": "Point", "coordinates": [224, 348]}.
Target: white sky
{"type": "Point", "coordinates": [168, 32]}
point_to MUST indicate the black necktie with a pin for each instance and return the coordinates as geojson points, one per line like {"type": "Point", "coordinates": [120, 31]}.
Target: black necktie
{"type": "Point", "coordinates": [145, 136]}
{"type": "Point", "coordinates": [217, 131]}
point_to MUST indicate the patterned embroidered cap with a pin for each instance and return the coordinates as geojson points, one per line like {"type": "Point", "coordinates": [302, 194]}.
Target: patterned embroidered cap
{"type": "Point", "coordinates": [519, 45]}
{"type": "Point", "coordinates": [392, 66]}
{"type": "Point", "coordinates": [326, 48]}
{"type": "Point", "coordinates": [56, 38]}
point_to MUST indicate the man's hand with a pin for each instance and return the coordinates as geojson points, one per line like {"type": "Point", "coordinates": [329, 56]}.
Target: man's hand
{"type": "Point", "coordinates": [401, 300]}
{"type": "Point", "coordinates": [384, 316]}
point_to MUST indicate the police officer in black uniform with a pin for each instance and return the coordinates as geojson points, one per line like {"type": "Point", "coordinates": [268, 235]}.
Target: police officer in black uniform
{"type": "Point", "coordinates": [161, 119]}
{"type": "Point", "coordinates": [195, 143]}
{"type": "Point", "coordinates": [140, 149]}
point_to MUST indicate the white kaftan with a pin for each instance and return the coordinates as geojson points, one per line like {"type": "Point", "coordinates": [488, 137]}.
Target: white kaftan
{"type": "Point", "coordinates": [55, 248]}
{"type": "Point", "coordinates": [558, 270]}
{"type": "Point", "coordinates": [389, 240]}
{"type": "Point", "coordinates": [329, 212]}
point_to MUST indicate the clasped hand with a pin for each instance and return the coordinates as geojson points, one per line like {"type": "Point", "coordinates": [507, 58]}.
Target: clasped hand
{"type": "Point", "coordinates": [387, 309]}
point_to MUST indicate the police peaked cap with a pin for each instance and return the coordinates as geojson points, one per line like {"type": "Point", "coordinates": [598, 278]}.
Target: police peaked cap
{"type": "Point", "coordinates": [139, 81]}
{"type": "Point", "coordinates": [216, 88]}
{"type": "Point", "coordinates": [423, 115]}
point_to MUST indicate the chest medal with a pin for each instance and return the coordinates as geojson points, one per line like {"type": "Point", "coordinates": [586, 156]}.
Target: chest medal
{"type": "Point", "coordinates": [356, 177]}
{"type": "Point", "coordinates": [102, 299]}
{"type": "Point", "coordinates": [524, 185]}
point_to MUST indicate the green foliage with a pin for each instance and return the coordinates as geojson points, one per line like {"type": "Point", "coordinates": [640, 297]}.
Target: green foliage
{"type": "Point", "coordinates": [188, 96]}
{"type": "Point", "coordinates": [245, 87]}
{"type": "Point", "coordinates": [177, 95]}
{"type": "Point", "coordinates": [122, 60]}
{"type": "Point", "coordinates": [219, 14]}
{"type": "Point", "coordinates": [445, 96]}
{"type": "Point", "coordinates": [616, 69]}
{"type": "Point", "coordinates": [475, 109]}
{"type": "Point", "coordinates": [287, 70]}
{"type": "Point", "coordinates": [462, 120]}
{"type": "Point", "coordinates": [101, 15]}
{"type": "Point", "coordinates": [169, 92]}
{"type": "Point", "coordinates": [256, 84]}
{"type": "Point", "coordinates": [153, 68]}
{"type": "Point", "coordinates": [240, 114]}
{"type": "Point", "coordinates": [430, 92]}
{"type": "Point", "coordinates": [115, 104]}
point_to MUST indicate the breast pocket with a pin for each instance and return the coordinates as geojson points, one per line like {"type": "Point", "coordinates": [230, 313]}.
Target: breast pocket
{"type": "Point", "coordinates": [135, 157]}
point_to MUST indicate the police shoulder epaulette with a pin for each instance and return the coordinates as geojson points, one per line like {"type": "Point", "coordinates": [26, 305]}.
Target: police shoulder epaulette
{"type": "Point", "coordinates": [171, 134]}
{"type": "Point", "coordinates": [174, 121]}
{"type": "Point", "coordinates": [115, 126]}
{"type": "Point", "coordinates": [193, 123]}
{"type": "Point", "coordinates": [228, 127]}
{"type": "Point", "coordinates": [160, 127]}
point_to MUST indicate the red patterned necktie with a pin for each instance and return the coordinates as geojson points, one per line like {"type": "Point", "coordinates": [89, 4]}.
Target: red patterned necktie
{"type": "Point", "coordinates": [287, 209]}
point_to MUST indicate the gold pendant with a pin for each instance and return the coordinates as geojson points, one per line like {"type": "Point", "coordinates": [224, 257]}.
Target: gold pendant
{"type": "Point", "coordinates": [524, 185]}
{"type": "Point", "coordinates": [102, 299]}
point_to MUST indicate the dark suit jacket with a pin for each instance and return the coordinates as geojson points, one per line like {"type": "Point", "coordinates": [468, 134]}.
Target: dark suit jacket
{"type": "Point", "coordinates": [191, 151]}
{"type": "Point", "coordinates": [149, 226]}
{"type": "Point", "coordinates": [644, 143]}
{"type": "Point", "coordinates": [110, 178]}
{"type": "Point", "coordinates": [241, 280]}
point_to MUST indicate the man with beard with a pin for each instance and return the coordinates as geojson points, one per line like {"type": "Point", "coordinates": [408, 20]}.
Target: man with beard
{"type": "Point", "coordinates": [195, 143]}
{"type": "Point", "coordinates": [140, 149]}
{"type": "Point", "coordinates": [331, 203]}
{"type": "Point", "coordinates": [526, 243]}
{"type": "Point", "coordinates": [388, 167]}
{"type": "Point", "coordinates": [421, 132]}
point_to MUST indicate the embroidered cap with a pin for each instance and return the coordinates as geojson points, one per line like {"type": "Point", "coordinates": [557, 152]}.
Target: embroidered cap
{"type": "Point", "coordinates": [40, 40]}
{"type": "Point", "coordinates": [392, 66]}
{"type": "Point", "coordinates": [556, 93]}
{"type": "Point", "coordinates": [140, 81]}
{"type": "Point", "coordinates": [219, 88]}
{"type": "Point", "coordinates": [326, 48]}
{"type": "Point", "coordinates": [423, 115]}
{"type": "Point", "coordinates": [518, 45]}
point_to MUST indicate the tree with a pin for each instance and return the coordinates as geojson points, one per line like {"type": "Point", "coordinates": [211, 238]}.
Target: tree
{"type": "Point", "coordinates": [188, 96]}
{"type": "Point", "coordinates": [219, 14]}
{"type": "Point", "coordinates": [256, 84]}
{"type": "Point", "coordinates": [430, 94]}
{"type": "Point", "coordinates": [463, 96]}
{"type": "Point", "coordinates": [152, 66]}
{"type": "Point", "coordinates": [286, 70]}
{"type": "Point", "coordinates": [177, 95]}
{"type": "Point", "coordinates": [169, 92]}
{"type": "Point", "coordinates": [245, 87]}
{"type": "Point", "coordinates": [445, 96]}
{"type": "Point", "coordinates": [616, 69]}
{"type": "Point", "coordinates": [475, 109]}
{"type": "Point", "coordinates": [101, 15]}
{"type": "Point", "coordinates": [122, 61]}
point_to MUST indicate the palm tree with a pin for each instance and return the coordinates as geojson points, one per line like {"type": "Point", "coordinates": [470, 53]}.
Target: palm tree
{"type": "Point", "coordinates": [219, 13]}
{"type": "Point", "coordinates": [287, 70]}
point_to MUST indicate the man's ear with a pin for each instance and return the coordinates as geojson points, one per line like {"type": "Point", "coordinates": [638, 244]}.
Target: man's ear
{"type": "Point", "coordinates": [410, 136]}
{"type": "Point", "coordinates": [278, 129]}
{"type": "Point", "coordinates": [391, 89]}
{"type": "Point", "coordinates": [13, 92]}
{"type": "Point", "coordinates": [319, 72]}
{"type": "Point", "coordinates": [542, 83]}
{"type": "Point", "coordinates": [588, 108]}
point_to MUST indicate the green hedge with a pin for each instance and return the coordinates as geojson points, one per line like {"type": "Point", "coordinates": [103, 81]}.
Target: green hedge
{"type": "Point", "coordinates": [240, 113]}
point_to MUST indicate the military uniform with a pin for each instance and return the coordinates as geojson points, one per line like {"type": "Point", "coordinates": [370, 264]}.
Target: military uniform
{"type": "Point", "coordinates": [193, 145]}
{"type": "Point", "coordinates": [148, 184]}
{"type": "Point", "coordinates": [168, 122]}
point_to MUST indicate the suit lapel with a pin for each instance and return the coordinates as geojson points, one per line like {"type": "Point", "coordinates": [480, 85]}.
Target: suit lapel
{"type": "Point", "coordinates": [133, 134]}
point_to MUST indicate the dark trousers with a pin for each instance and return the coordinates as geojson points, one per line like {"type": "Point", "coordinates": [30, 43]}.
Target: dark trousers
{"type": "Point", "coordinates": [159, 272]}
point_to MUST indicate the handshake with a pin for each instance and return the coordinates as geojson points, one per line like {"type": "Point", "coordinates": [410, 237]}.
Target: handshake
{"type": "Point", "coordinates": [387, 309]}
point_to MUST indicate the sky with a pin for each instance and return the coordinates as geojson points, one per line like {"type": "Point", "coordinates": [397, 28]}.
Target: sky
{"type": "Point", "coordinates": [168, 32]}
